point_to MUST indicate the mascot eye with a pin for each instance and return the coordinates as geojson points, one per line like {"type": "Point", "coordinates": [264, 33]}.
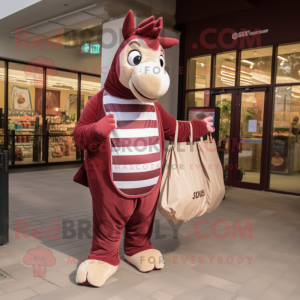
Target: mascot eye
{"type": "Point", "coordinates": [134, 58]}
{"type": "Point", "coordinates": [162, 61]}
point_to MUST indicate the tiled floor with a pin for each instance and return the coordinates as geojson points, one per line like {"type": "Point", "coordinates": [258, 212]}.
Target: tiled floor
{"type": "Point", "coordinates": [203, 260]}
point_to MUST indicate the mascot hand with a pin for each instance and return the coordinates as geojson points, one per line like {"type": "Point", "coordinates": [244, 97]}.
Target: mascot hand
{"type": "Point", "coordinates": [209, 124]}
{"type": "Point", "coordinates": [106, 125]}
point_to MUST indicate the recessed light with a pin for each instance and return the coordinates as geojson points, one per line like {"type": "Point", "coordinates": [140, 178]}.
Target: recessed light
{"type": "Point", "coordinates": [255, 52]}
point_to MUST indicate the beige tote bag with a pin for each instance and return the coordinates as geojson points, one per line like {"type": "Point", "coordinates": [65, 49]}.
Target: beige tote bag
{"type": "Point", "coordinates": [187, 187]}
{"type": "Point", "coordinates": [214, 171]}
{"type": "Point", "coordinates": [184, 184]}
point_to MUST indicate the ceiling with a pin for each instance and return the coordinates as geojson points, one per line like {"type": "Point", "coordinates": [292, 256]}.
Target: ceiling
{"type": "Point", "coordinates": [191, 10]}
{"type": "Point", "coordinates": [46, 17]}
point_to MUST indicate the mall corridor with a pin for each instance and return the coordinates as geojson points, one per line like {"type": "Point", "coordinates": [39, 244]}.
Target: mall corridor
{"type": "Point", "coordinates": [246, 249]}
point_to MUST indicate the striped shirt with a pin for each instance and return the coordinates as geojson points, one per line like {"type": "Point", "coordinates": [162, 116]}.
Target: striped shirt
{"type": "Point", "coordinates": [135, 145]}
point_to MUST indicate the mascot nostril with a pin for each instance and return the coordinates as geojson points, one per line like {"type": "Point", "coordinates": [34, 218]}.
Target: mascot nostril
{"type": "Point", "coordinates": [124, 127]}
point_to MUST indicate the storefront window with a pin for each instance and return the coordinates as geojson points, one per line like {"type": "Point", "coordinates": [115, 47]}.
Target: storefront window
{"type": "Point", "coordinates": [225, 69]}
{"type": "Point", "coordinates": [2, 105]}
{"type": "Point", "coordinates": [285, 140]}
{"type": "Point", "coordinates": [197, 99]}
{"type": "Point", "coordinates": [251, 136]}
{"type": "Point", "coordinates": [61, 114]}
{"type": "Point", "coordinates": [288, 64]}
{"type": "Point", "coordinates": [198, 72]}
{"type": "Point", "coordinates": [256, 66]}
{"type": "Point", "coordinates": [24, 119]}
{"type": "Point", "coordinates": [223, 101]}
{"type": "Point", "coordinates": [90, 85]}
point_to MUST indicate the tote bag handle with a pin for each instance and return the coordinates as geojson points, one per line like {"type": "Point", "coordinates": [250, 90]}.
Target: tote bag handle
{"type": "Point", "coordinates": [176, 133]}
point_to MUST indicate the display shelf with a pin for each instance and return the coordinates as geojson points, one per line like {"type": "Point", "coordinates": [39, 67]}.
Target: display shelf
{"type": "Point", "coordinates": [21, 121]}
{"type": "Point", "coordinates": [23, 129]}
{"type": "Point", "coordinates": [23, 144]}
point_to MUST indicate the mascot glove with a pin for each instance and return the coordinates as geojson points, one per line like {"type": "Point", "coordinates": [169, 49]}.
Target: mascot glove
{"type": "Point", "coordinates": [105, 126]}
{"type": "Point", "coordinates": [209, 124]}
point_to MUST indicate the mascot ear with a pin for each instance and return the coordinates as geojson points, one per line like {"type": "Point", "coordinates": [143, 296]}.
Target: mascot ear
{"type": "Point", "coordinates": [128, 25]}
{"type": "Point", "coordinates": [167, 42]}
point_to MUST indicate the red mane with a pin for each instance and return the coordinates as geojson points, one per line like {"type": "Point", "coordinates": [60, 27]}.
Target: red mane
{"type": "Point", "coordinates": [148, 28]}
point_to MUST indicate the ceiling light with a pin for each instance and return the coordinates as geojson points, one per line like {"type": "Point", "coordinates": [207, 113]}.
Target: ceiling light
{"type": "Point", "coordinates": [255, 52]}
{"type": "Point", "coordinates": [227, 74]}
{"type": "Point", "coordinates": [234, 70]}
{"type": "Point", "coordinates": [282, 58]}
{"type": "Point", "coordinates": [248, 62]}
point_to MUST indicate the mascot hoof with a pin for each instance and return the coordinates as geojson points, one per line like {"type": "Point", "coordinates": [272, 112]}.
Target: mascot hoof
{"type": "Point", "coordinates": [146, 260]}
{"type": "Point", "coordinates": [94, 272]}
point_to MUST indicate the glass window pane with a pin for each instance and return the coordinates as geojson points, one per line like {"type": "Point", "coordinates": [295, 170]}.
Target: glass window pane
{"type": "Point", "coordinates": [197, 99]}
{"type": "Point", "coordinates": [198, 72]}
{"type": "Point", "coordinates": [256, 66]}
{"type": "Point", "coordinates": [23, 115]}
{"type": "Point", "coordinates": [225, 69]}
{"type": "Point", "coordinates": [251, 137]}
{"type": "Point", "coordinates": [61, 115]}
{"type": "Point", "coordinates": [285, 140]}
{"type": "Point", "coordinates": [223, 101]}
{"type": "Point", "coordinates": [2, 104]}
{"type": "Point", "coordinates": [90, 85]}
{"type": "Point", "coordinates": [288, 64]}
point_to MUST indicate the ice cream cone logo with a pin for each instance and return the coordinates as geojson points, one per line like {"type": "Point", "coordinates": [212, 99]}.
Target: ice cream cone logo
{"type": "Point", "coordinates": [35, 68]}
{"type": "Point", "coordinates": [39, 258]}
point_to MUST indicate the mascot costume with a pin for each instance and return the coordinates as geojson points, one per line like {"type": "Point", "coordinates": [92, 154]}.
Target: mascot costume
{"type": "Point", "coordinates": [122, 130]}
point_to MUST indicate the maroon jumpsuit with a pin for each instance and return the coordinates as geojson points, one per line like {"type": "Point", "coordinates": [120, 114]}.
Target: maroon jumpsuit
{"type": "Point", "coordinates": [112, 210]}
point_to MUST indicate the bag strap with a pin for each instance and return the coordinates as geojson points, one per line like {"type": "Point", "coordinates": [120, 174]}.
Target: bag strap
{"type": "Point", "coordinates": [191, 133]}
{"type": "Point", "coordinates": [176, 133]}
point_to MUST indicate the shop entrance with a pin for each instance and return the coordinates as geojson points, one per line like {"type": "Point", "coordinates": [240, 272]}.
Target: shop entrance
{"type": "Point", "coordinates": [241, 136]}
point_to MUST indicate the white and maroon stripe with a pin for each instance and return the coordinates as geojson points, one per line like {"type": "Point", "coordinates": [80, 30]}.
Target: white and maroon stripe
{"type": "Point", "coordinates": [135, 145]}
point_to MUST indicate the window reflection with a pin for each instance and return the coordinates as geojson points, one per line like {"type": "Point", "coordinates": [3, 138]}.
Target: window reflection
{"type": "Point", "coordinates": [288, 64]}
{"type": "Point", "coordinates": [285, 141]}
{"type": "Point", "coordinates": [61, 115]}
{"type": "Point", "coordinates": [90, 85]}
{"type": "Point", "coordinates": [256, 66]}
{"type": "Point", "coordinates": [2, 65]}
{"type": "Point", "coordinates": [197, 99]}
{"type": "Point", "coordinates": [198, 72]}
{"type": "Point", "coordinates": [225, 69]}
{"type": "Point", "coordinates": [24, 119]}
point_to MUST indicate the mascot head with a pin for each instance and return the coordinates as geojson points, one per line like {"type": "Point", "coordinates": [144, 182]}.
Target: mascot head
{"type": "Point", "coordinates": [138, 68]}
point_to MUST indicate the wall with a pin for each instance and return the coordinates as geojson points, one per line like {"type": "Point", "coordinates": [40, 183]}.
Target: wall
{"type": "Point", "coordinates": [62, 58]}
{"type": "Point", "coordinates": [281, 20]}
{"type": "Point", "coordinates": [170, 99]}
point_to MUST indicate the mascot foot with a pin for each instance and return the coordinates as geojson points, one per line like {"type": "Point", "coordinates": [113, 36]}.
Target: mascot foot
{"type": "Point", "coordinates": [94, 272]}
{"type": "Point", "coordinates": [146, 260]}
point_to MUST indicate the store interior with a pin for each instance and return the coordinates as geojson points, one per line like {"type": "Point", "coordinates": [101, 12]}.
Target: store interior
{"type": "Point", "coordinates": [27, 129]}
{"type": "Point", "coordinates": [255, 68]}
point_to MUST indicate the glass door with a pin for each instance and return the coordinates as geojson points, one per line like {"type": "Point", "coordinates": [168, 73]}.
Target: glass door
{"type": "Point", "coordinates": [248, 147]}
{"type": "Point", "coordinates": [225, 100]}
{"type": "Point", "coordinates": [241, 140]}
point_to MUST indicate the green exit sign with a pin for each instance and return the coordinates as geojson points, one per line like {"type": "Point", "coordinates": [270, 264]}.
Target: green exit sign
{"type": "Point", "coordinates": [91, 48]}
